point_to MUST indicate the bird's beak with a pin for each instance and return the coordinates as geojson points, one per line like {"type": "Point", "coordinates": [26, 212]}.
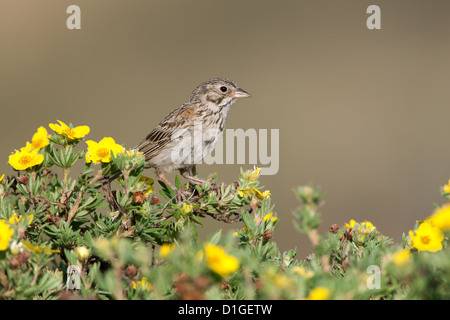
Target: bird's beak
{"type": "Point", "coordinates": [241, 94]}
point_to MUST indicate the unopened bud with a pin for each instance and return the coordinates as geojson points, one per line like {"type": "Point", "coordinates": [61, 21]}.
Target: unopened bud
{"type": "Point", "coordinates": [82, 253]}
{"type": "Point", "coordinates": [16, 248]}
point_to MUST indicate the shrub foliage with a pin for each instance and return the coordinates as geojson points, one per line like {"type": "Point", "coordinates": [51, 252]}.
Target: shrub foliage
{"type": "Point", "coordinates": [66, 234]}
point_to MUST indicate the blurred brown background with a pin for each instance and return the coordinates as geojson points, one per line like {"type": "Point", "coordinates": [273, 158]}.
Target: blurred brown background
{"type": "Point", "coordinates": [362, 113]}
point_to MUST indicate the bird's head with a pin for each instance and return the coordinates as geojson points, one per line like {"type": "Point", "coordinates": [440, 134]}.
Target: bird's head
{"type": "Point", "coordinates": [218, 92]}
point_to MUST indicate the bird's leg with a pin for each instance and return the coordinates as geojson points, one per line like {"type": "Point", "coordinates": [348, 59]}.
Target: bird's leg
{"type": "Point", "coordinates": [109, 194]}
{"type": "Point", "coordinates": [179, 193]}
{"type": "Point", "coordinates": [185, 173]}
{"type": "Point", "coordinates": [193, 170]}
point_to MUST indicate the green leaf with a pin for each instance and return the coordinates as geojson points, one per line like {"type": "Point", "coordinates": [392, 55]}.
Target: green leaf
{"type": "Point", "coordinates": [215, 238]}
{"type": "Point", "coordinates": [177, 183]}
{"type": "Point", "coordinates": [166, 191]}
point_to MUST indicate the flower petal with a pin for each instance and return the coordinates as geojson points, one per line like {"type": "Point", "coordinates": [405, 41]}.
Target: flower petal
{"type": "Point", "coordinates": [80, 131]}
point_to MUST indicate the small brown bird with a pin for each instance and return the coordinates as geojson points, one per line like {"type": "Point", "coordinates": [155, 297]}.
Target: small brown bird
{"type": "Point", "coordinates": [190, 132]}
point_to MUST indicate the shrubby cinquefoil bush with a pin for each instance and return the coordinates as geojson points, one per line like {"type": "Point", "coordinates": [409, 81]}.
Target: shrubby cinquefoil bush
{"type": "Point", "coordinates": [70, 234]}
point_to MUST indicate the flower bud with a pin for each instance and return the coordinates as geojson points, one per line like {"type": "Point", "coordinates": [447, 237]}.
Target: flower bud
{"type": "Point", "coordinates": [82, 253]}
{"type": "Point", "coordinates": [16, 248]}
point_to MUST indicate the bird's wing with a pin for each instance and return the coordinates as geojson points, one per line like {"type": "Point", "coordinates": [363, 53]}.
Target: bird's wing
{"type": "Point", "coordinates": [175, 124]}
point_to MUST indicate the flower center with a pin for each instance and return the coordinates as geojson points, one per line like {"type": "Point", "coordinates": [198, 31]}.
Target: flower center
{"type": "Point", "coordinates": [25, 160]}
{"type": "Point", "coordinates": [36, 143]}
{"type": "Point", "coordinates": [68, 132]}
{"type": "Point", "coordinates": [103, 152]}
{"type": "Point", "coordinates": [425, 239]}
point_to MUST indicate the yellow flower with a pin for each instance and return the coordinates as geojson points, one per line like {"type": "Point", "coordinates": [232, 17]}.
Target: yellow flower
{"type": "Point", "coordinates": [368, 224]}
{"type": "Point", "coordinates": [18, 219]}
{"type": "Point", "coordinates": [185, 208]}
{"type": "Point", "coordinates": [446, 188]}
{"type": "Point", "coordinates": [281, 281]}
{"type": "Point", "coordinates": [143, 283]}
{"type": "Point", "coordinates": [427, 237]}
{"type": "Point", "coordinates": [148, 184]}
{"type": "Point", "coordinates": [28, 148]}
{"type": "Point", "coordinates": [40, 139]}
{"type": "Point", "coordinates": [402, 258]}
{"type": "Point", "coordinates": [22, 160]}
{"type": "Point", "coordinates": [132, 152]}
{"type": "Point", "coordinates": [101, 151]}
{"type": "Point", "coordinates": [1, 178]}
{"type": "Point", "coordinates": [266, 194]}
{"type": "Point", "coordinates": [166, 248]}
{"type": "Point", "coordinates": [253, 192]}
{"type": "Point", "coordinates": [70, 134]}
{"type": "Point", "coordinates": [199, 255]}
{"type": "Point", "coordinates": [245, 192]}
{"type": "Point", "coordinates": [319, 293]}
{"type": "Point", "coordinates": [365, 227]}
{"type": "Point", "coordinates": [219, 261]}
{"type": "Point", "coordinates": [5, 235]}
{"type": "Point", "coordinates": [441, 218]}
{"type": "Point", "coordinates": [278, 279]}
{"type": "Point", "coordinates": [260, 195]}
{"type": "Point", "coordinates": [268, 217]}
{"type": "Point", "coordinates": [351, 224]}
{"type": "Point", "coordinates": [302, 272]}
{"type": "Point", "coordinates": [103, 244]}
{"type": "Point", "coordinates": [252, 176]}
{"type": "Point", "coordinates": [34, 248]}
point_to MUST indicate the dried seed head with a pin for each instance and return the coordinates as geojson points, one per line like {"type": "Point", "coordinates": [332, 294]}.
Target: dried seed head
{"type": "Point", "coordinates": [22, 179]}
{"type": "Point", "coordinates": [267, 235]}
{"type": "Point", "coordinates": [190, 289]}
{"type": "Point", "coordinates": [334, 228]}
{"type": "Point", "coordinates": [14, 262]}
{"type": "Point", "coordinates": [348, 233]}
{"type": "Point", "coordinates": [130, 271]}
{"type": "Point", "coordinates": [225, 285]}
{"type": "Point", "coordinates": [201, 282]}
{"type": "Point", "coordinates": [155, 200]}
{"type": "Point", "coordinates": [24, 256]}
{"type": "Point", "coordinates": [138, 197]}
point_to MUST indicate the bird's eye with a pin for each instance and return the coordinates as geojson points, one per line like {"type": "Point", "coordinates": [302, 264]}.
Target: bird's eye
{"type": "Point", "coordinates": [223, 89]}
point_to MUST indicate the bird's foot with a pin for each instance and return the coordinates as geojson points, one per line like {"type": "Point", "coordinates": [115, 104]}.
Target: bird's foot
{"type": "Point", "coordinates": [195, 180]}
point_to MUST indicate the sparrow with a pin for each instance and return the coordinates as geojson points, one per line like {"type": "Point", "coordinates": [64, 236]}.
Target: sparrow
{"type": "Point", "coordinates": [190, 132]}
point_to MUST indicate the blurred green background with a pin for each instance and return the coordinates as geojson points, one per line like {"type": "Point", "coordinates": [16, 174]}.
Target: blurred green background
{"type": "Point", "coordinates": [362, 113]}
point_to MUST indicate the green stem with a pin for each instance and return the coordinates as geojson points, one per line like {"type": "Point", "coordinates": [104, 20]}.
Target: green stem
{"type": "Point", "coordinates": [66, 174]}
{"type": "Point", "coordinates": [97, 177]}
